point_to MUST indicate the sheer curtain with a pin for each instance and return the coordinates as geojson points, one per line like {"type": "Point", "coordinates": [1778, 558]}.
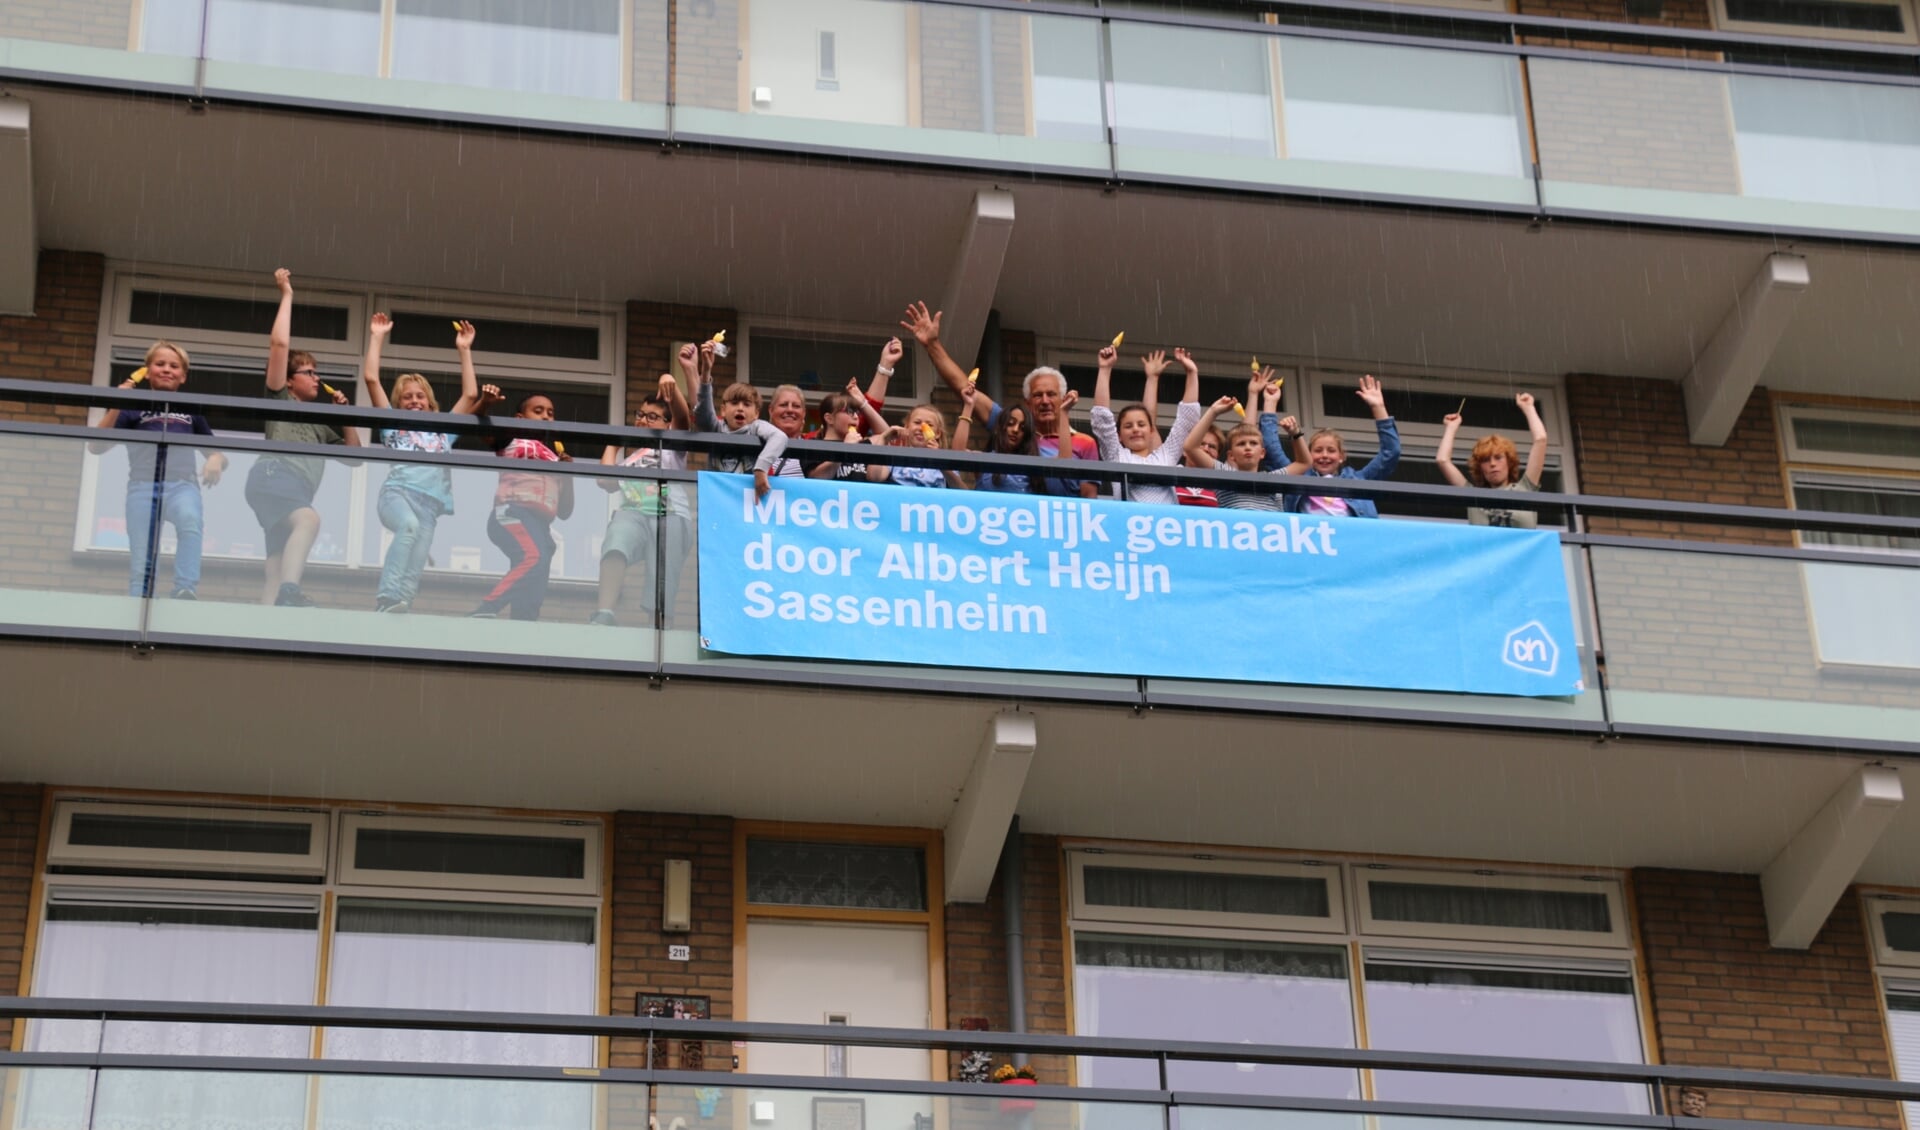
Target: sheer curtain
{"type": "Point", "coordinates": [459, 956]}
{"type": "Point", "coordinates": [154, 951]}
{"type": "Point", "coordinates": [1849, 602]}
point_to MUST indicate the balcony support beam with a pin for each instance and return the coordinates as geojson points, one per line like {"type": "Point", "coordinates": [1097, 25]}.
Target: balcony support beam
{"type": "Point", "coordinates": [1805, 881]}
{"type": "Point", "coordinates": [19, 249]}
{"type": "Point", "coordinates": [975, 277]}
{"type": "Point", "coordinates": [1726, 372]}
{"type": "Point", "coordinates": [978, 828]}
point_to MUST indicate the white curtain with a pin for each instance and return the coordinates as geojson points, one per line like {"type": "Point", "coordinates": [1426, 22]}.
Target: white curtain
{"type": "Point", "coordinates": [157, 952]}
{"type": "Point", "coordinates": [459, 956]}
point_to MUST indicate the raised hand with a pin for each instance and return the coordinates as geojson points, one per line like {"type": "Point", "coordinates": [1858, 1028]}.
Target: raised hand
{"type": "Point", "coordinates": [380, 326]}
{"type": "Point", "coordinates": [463, 335]}
{"type": "Point", "coordinates": [853, 390]}
{"type": "Point", "coordinates": [891, 353]}
{"type": "Point", "coordinates": [1289, 425]}
{"type": "Point", "coordinates": [707, 355]}
{"type": "Point", "coordinates": [1452, 419]}
{"type": "Point", "coordinates": [922, 324]}
{"type": "Point", "coordinates": [1224, 404]}
{"type": "Point", "coordinates": [283, 279]}
{"type": "Point", "coordinates": [1186, 361]}
{"type": "Point", "coordinates": [490, 395]}
{"type": "Point", "coordinates": [1524, 400]}
{"type": "Point", "coordinates": [1107, 356]}
{"type": "Point", "coordinates": [1370, 392]}
{"type": "Point", "coordinates": [1155, 363]}
{"type": "Point", "coordinates": [1269, 397]}
{"type": "Point", "coordinates": [667, 387]}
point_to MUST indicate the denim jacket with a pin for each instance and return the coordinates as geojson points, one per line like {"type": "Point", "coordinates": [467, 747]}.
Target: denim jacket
{"type": "Point", "coordinates": [1380, 467]}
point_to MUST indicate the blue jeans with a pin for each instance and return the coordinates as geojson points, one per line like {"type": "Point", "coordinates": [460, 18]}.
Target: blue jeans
{"type": "Point", "coordinates": [172, 500]}
{"type": "Point", "coordinates": [412, 519]}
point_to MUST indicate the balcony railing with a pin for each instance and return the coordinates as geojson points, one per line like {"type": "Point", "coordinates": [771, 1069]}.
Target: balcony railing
{"type": "Point", "coordinates": [1668, 131]}
{"type": "Point", "coordinates": [1752, 642]}
{"type": "Point", "coordinates": [92, 1081]}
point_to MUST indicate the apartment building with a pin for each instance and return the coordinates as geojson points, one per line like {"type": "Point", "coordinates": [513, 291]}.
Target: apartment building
{"type": "Point", "coordinates": [1686, 227]}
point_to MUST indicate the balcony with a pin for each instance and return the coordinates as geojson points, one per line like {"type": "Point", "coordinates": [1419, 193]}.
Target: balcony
{"type": "Point", "coordinates": [1764, 644]}
{"type": "Point", "coordinates": [135, 1064]}
{"type": "Point", "coordinates": [1673, 135]}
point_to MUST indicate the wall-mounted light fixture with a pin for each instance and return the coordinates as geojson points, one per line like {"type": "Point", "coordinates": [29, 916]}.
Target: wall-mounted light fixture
{"type": "Point", "coordinates": [676, 915]}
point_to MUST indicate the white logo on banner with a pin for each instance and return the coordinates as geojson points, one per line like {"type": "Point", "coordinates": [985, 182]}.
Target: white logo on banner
{"type": "Point", "coordinates": [1530, 648]}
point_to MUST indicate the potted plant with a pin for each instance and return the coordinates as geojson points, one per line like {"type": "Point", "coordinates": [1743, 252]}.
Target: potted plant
{"type": "Point", "coordinates": [1022, 1076]}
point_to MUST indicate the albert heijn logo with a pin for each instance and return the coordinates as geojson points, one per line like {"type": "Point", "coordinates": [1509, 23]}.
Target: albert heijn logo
{"type": "Point", "coordinates": [1531, 648]}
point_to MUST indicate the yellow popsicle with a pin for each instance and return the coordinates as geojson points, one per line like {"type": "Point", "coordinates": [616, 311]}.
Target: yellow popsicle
{"type": "Point", "coordinates": [927, 431]}
{"type": "Point", "coordinates": [139, 376]}
{"type": "Point", "coordinates": [719, 338]}
{"type": "Point", "coordinates": [559, 448]}
{"type": "Point", "coordinates": [973, 378]}
{"type": "Point", "coordinates": [329, 389]}
{"type": "Point", "coordinates": [457, 327]}
{"type": "Point", "coordinates": [1256, 365]}
{"type": "Point", "coordinates": [1118, 338]}
{"type": "Point", "coordinates": [1239, 411]}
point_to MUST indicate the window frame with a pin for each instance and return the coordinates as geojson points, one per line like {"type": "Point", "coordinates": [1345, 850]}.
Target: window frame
{"type": "Point", "coordinates": [1723, 22]}
{"type": "Point", "coordinates": [1879, 903]}
{"type": "Point", "coordinates": [1797, 456]}
{"type": "Point", "coordinates": [1081, 911]}
{"type": "Point", "coordinates": [62, 853]}
{"type": "Point", "coordinates": [347, 873]}
{"type": "Point", "coordinates": [1423, 440]}
{"type": "Point", "coordinates": [846, 333]}
{"type": "Point", "coordinates": [1617, 937]}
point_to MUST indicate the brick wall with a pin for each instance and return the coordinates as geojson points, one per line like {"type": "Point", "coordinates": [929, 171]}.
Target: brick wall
{"type": "Point", "coordinates": [707, 55]}
{"type": "Point", "coordinates": [1634, 127]}
{"type": "Point", "coordinates": [642, 843]}
{"type": "Point", "coordinates": [59, 341]}
{"type": "Point", "coordinates": [655, 328]}
{"type": "Point", "coordinates": [19, 840]}
{"type": "Point", "coordinates": [951, 70]}
{"type": "Point", "coordinates": [1723, 997]}
{"type": "Point", "coordinates": [1630, 439]}
{"type": "Point", "coordinates": [86, 23]}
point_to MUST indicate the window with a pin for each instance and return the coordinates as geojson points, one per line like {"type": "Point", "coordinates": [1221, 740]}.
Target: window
{"type": "Point", "coordinates": [568, 47]}
{"type": "Point", "coordinates": [821, 360]}
{"type": "Point", "coordinates": [1903, 1026]}
{"type": "Point", "coordinates": [1221, 374]}
{"type": "Point", "coordinates": [855, 876]}
{"type": "Point", "coordinates": [1868, 21]}
{"type": "Point", "coordinates": [1893, 922]}
{"type": "Point", "coordinates": [89, 834]}
{"type": "Point", "coordinates": [1263, 951]}
{"type": "Point", "coordinates": [478, 854]}
{"type": "Point", "coordinates": [568, 354]}
{"type": "Point", "coordinates": [1846, 602]}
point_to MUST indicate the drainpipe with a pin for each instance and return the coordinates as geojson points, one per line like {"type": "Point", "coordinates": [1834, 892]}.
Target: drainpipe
{"type": "Point", "coordinates": [1013, 894]}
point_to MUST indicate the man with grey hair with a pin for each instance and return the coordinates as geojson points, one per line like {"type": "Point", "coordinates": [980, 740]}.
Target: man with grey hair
{"type": "Point", "coordinates": [1044, 391]}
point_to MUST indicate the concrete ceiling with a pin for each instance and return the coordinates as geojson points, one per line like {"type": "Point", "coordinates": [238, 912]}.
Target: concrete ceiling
{"type": "Point", "coordinates": [296, 727]}
{"type": "Point", "coordinates": [153, 182]}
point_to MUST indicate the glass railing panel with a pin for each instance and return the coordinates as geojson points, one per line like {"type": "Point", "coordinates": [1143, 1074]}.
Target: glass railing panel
{"type": "Point", "coordinates": [1252, 108]}
{"type": "Point", "coordinates": [1728, 148]}
{"type": "Point", "coordinates": [826, 1109]}
{"type": "Point", "coordinates": [681, 645]}
{"type": "Point", "coordinates": [589, 62]}
{"type": "Point", "coordinates": [515, 569]}
{"type": "Point", "coordinates": [63, 497]}
{"type": "Point", "coordinates": [893, 78]}
{"type": "Point", "coordinates": [1760, 645]}
{"type": "Point", "coordinates": [144, 41]}
{"type": "Point", "coordinates": [1584, 710]}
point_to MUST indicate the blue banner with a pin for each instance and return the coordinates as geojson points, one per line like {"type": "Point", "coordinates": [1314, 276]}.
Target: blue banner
{"type": "Point", "coordinates": [891, 574]}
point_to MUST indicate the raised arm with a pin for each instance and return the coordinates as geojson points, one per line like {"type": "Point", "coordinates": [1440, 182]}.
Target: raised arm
{"type": "Point", "coordinates": [1192, 448]}
{"type": "Point", "coordinates": [1383, 464]}
{"type": "Point", "coordinates": [691, 363]}
{"type": "Point", "coordinates": [1191, 394]}
{"type": "Point", "coordinates": [678, 414]}
{"type": "Point", "coordinates": [1278, 437]}
{"type": "Point", "coordinates": [1443, 458]}
{"type": "Point", "coordinates": [1153, 364]}
{"type": "Point", "coordinates": [109, 419]}
{"type": "Point", "coordinates": [469, 381]}
{"type": "Point", "coordinates": [1063, 430]}
{"type": "Point", "coordinates": [280, 338]}
{"type": "Point", "coordinates": [963, 425]}
{"type": "Point", "coordinates": [1537, 453]}
{"type": "Point", "coordinates": [890, 355]}
{"type": "Point", "coordinates": [377, 330]}
{"type": "Point", "coordinates": [1103, 378]}
{"type": "Point", "coordinates": [490, 395]}
{"type": "Point", "coordinates": [870, 418]}
{"type": "Point", "coordinates": [925, 328]}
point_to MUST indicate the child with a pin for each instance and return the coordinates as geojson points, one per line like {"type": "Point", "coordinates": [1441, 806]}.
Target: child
{"type": "Point", "coordinates": [925, 427]}
{"type": "Point", "coordinates": [524, 507]}
{"type": "Point", "coordinates": [649, 509]}
{"type": "Point", "coordinates": [1245, 448]}
{"type": "Point", "coordinates": [1492, 465]}
{"type": "Point", "coordinates": [1133, 437]}
{"type": "Point", "coordinates": [739, 415]}
{"type": "Point", "coordinates": [843, 416]}
{"type": "Point", "coordinates": [415, 496]}
{"type": "Point", "coordinates": [1011, 435]}
{"type": "Point", "coordinates": [280, 488]}
{"type": "Point", "coordinates": [1326, 457]}
{"type": "Point", "coordinates": [1211, 444]}
{"type": "Point", "coordinates": [161, 482]}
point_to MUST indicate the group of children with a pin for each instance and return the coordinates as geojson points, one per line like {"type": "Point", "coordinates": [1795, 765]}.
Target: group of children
{"type": "Point", "coordinates": [654, 518]}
